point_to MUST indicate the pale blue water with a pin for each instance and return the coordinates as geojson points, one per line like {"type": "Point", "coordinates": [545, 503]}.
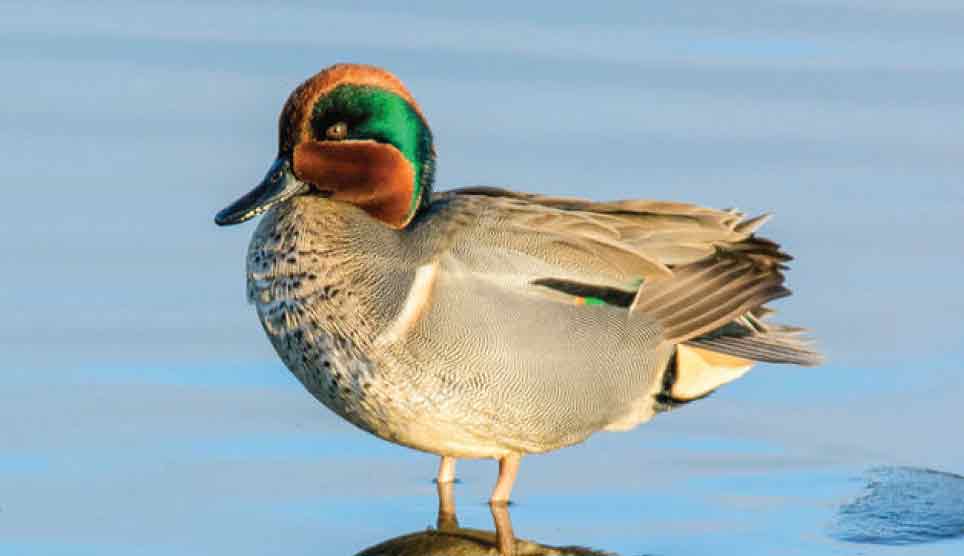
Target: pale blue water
{"type": "Point", "coordinates": [903, 506]}
{"type": "Point", "coordinates": [242, 461]}
{"type": "Point", "coordinates": [143, 412]}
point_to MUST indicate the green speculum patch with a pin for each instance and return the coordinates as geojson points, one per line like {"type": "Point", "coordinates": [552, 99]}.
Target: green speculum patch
{"type": "Point", "coordinates": [589, 294]}
{"type": "Point", "coordinates": [383, 116]}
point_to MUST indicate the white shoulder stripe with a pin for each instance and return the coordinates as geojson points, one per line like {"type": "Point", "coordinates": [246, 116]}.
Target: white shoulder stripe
{"type": "Point", "coordinates": [419, 297]}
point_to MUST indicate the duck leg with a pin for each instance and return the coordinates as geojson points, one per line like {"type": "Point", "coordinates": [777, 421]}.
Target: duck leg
{"type": "Point", "coordinates": [447, 520]}
{"type": "Point", "coordinates": [508, 467]}
{"type": "Point", "coordinates": [503, 529]}
{"type": "Point", "coordinates": [446, 470]}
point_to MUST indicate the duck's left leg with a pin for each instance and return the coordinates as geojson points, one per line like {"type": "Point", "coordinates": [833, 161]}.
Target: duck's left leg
{"type": "Point", "coordinates": [508, 467]}
{"type": "Point", "coordinates": [447, 520]}
{"type": "Point", "coordinates": [446, 470]}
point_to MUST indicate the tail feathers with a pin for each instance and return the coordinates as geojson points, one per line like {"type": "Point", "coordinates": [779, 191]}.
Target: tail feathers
{"type": "Point", "coordinates": [703, 364]}
{"type": "Point", "coordinates": [782, 346]}
{"type": "Point", "coordinates": [693, 373]}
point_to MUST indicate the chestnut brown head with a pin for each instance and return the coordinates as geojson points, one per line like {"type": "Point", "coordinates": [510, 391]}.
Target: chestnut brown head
{"type": "Point", "coordinates": [352, 133]}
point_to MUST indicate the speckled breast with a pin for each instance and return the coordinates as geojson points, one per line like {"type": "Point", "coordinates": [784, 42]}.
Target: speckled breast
{"type": "Point", "coordinates": [304, 293]}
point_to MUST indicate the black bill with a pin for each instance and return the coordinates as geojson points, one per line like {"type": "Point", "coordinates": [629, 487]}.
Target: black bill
{"type": "Point", "coordinates": [280, 184]}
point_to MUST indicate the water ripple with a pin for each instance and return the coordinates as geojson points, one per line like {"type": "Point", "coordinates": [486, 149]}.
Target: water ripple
{"type": "Point", "coordinates": [903, 505]}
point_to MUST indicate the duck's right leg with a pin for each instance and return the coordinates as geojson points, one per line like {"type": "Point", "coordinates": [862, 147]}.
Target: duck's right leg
{"type": "Point", "coordinates": [508, 467]}
{"type": "Point", "coordinates": [446, 470]}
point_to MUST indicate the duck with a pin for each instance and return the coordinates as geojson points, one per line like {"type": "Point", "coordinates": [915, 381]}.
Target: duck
{"type": "Point", "coordinates": [482, 322]}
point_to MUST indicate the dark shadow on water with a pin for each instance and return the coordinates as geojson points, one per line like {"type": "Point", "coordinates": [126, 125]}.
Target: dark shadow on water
{"type": "Point", "coordinates": [901, 506]}
{"type": "Point", "coordinates": [448, 539]}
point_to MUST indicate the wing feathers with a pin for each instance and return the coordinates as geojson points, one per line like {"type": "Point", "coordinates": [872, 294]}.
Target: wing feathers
{"type": "Point", "coordinates": [633, 239]}
{"type": "Point", "coordinates": [702, 270]}
{"type": "Point", "coordinates": [719, 315]}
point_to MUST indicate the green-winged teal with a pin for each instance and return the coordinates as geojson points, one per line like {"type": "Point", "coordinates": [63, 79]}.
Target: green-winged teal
{"type": "Point", "coordinates": [481, 322]}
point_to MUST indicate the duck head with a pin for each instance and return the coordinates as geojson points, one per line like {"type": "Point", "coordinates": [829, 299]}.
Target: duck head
{"type": "Point", "coordinates": [352, 133]}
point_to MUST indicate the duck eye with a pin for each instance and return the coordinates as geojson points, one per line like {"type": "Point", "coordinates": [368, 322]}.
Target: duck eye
{"type": "Point", "coordinates": [337, 131]}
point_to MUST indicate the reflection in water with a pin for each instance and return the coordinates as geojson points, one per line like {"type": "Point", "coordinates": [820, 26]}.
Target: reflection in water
{"type": "Point", "coordinates": [904, 505]}
{"type": "Point", "coordinates": [451, 540]}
